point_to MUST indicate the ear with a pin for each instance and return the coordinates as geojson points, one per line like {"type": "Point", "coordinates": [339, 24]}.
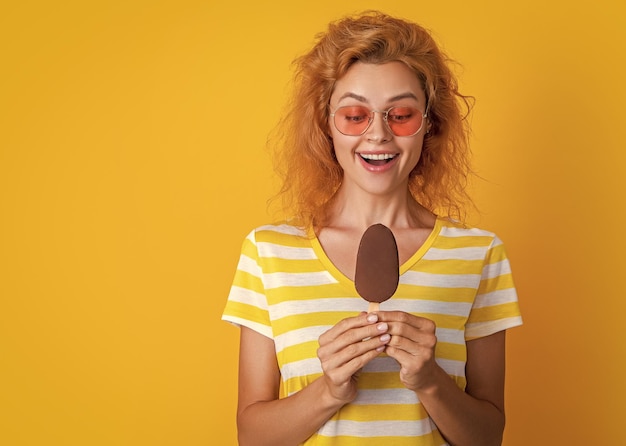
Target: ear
{"type": "Point", "coordinates": [429, 126]}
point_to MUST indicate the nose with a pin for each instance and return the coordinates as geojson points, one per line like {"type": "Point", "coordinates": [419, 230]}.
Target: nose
{"type": "Point", "coordinates": [378, 129]}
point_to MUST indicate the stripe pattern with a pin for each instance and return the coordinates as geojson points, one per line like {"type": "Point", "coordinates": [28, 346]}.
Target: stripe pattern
{"type": "Point", "coordinates": [286, 289]}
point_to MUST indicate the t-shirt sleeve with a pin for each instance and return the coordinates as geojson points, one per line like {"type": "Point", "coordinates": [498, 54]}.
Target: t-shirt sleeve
{"type": "Point", "coordinates": [247, 302]}
{"type": "Point", "coordinates": [496, 306]}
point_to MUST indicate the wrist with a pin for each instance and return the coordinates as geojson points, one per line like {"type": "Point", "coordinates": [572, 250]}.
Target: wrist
{"type": "Point", "coordinates": [430, 384]}
{"type": "Point", "coordinates": [332, 398]}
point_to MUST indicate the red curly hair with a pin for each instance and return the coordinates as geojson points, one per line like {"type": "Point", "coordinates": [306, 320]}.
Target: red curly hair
{"type": "Point", "coordinates": [305, 158]}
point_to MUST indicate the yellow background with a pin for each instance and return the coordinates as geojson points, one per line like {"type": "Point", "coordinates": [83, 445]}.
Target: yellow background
{"type": "Point", "coordinates": [133, 163]}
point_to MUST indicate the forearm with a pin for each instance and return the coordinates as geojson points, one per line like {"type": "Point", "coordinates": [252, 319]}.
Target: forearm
{"type": "Point", "coordinates": [288, 421]}
{"type": "Point", "coordinates": [462, 419]}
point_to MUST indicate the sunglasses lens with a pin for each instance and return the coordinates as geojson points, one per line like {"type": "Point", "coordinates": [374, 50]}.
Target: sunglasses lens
{"type": "Point", "coordinates": [352, 120]}
{"type": "Point", "coordinates": [404, 121]}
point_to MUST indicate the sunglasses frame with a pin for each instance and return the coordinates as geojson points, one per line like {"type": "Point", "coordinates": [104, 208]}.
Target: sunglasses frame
{"type": "Point", "coordinates": [385, 114]}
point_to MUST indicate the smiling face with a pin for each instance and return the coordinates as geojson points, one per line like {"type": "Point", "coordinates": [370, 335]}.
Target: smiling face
{"type": "Point", "coordinates": [378, 162]}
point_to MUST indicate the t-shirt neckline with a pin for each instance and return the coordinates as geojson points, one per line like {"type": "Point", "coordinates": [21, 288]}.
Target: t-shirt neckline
{"type": "Point", "coordinates": [342, 278]}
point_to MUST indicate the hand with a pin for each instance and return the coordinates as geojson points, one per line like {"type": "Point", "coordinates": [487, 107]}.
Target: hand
{"type": "Point", "coordinates": [346, 348]}
{"type": "Point", "coordinates": [412, 344]}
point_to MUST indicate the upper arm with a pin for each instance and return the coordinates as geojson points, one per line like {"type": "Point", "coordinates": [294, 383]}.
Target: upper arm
{"type": "Point", "coordinates": [259, 376]}
{"type": "Point", "coordinates": [485, 368]}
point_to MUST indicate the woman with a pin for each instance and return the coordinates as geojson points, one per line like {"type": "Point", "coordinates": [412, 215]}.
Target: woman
{"type": "Point", "coordinates": [375, 134]}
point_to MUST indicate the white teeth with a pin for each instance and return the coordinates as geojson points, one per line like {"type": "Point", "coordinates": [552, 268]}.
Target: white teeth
{"type": "Point", "coordinates": [377, 156]}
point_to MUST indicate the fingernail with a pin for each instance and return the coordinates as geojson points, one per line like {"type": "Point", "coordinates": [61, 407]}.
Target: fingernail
{"type": "Point", "coordinates": [385, 337]}
{"type": "Point", "coordinates": [380, 349]}
{"type": "Point", "coordinates": [372, 317]}
{"type": "Point", "coordinates": [382, 327]}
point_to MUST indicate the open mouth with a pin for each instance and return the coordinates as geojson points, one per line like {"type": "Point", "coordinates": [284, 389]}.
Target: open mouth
{"type": "Point", "coordinates": [377, 159]}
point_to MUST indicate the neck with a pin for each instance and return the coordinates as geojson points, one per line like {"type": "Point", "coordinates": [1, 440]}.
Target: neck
{"type": "Point", "coordinates": [360, 209]}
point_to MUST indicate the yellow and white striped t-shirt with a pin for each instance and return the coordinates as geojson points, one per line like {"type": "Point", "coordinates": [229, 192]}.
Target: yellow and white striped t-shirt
{"type": "Point", "coordinates": [287, 289]}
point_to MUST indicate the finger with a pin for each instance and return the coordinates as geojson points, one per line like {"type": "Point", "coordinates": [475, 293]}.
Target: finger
{"type": "Point", "coordinates": [422, 337]}
{"type": "Point", "coordinates": [412, 355]}
{"type": "Point", "coordinates": [331, 343]}
{"type": "Point", "coordinates": [363, 319]}
{"type": "Point", "coordinates": [400, 355]}
{"type": "Point", "coordinates": [407, 318]}
{"type": "Point", "coordinates": [423, 347]}
{"type": "Point", "coordinates": [415, 370]}
{"type": "Point", "coordinates": [343, 373]}
{"type": "Point", "coordinates": [361, 334]}
{"type": "Point", "coordinates": [355, 343]}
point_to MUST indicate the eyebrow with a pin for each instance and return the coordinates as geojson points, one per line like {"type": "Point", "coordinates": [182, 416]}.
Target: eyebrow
{"type": "Point", "coordinates": [404, 96]}
{"type": "Point", "coordinates": [364, 99]}
{"type": "Point", "coordinates": [354, 96]}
